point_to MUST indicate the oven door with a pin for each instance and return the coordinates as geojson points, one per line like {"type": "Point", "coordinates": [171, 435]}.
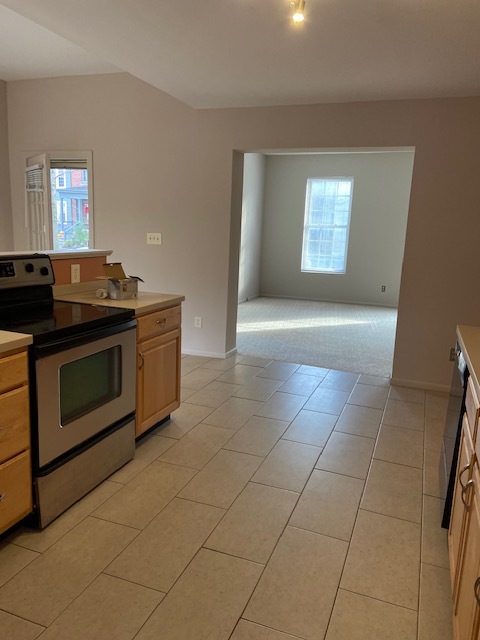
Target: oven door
{"type": "Point", "coordinates": [84, 385]}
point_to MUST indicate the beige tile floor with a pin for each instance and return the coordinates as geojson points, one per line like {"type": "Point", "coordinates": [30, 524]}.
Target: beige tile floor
{"type": "Point", "coordinates": [279, 502]}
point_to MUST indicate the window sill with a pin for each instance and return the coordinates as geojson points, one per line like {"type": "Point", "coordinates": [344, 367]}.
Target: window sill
{"type": "Point", "coordinates": [77, 253]}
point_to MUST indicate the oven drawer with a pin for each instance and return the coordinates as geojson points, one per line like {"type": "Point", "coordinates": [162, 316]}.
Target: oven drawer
{"type": "Point", "coordinates": [154, 324]}
{"type": "Point", "coordinates": [13, 371]}
{"type": "Point", "coordinates": [15, 490]}
{"type": "Point", "coordinates": [14, 422]}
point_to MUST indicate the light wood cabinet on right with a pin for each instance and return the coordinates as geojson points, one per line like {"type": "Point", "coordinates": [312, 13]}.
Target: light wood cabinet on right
{"type": "Point", "coordinates": [158, 366]}
{"type": "Point", "coordinates": [464, 533]}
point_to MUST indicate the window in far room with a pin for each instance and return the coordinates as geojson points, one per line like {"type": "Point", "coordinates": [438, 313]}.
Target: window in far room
{"type": "Point", "coordinates": [59, 201]}
{"type": "Point", "coordinates": [328, 205]}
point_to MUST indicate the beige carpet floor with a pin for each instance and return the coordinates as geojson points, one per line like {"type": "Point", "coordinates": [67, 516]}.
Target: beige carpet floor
{"type": "Point", "coordinates": [346, 337]}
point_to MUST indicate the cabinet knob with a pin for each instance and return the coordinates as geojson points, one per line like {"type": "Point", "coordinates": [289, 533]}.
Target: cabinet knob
{"type": "Point", "coordinates": [162, 322]}
{"type": "Point", "coordinates": [3, 497]}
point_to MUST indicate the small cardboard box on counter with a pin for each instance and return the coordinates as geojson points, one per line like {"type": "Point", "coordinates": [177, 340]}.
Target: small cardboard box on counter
{"type": "Point", "coordinates": [119, 286]}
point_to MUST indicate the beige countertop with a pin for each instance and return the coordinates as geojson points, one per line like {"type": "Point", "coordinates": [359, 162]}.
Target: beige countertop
{"type": "Point", "coordinates": [469, 340]}
{"type": "Point", "coordinates": [145, 303]}
{"type": "Point", "coordinates": [10, 340]}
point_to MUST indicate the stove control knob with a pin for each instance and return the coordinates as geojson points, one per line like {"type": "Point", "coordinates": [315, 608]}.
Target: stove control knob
{"type": "Point", "coordinates": [44, 271]}
{"type": "Point", "coordinates": [29, 267]}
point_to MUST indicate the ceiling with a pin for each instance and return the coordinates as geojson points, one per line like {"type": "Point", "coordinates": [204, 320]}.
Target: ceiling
{"type": "Point", "coordinates": [243, 53]}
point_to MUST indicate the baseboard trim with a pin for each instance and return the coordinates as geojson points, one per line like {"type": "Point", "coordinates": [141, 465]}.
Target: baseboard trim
{"type": "Point", "coordinates": [329, 300]}
{"type": "Point", "coordinates": [209, 354]}
{"type": "Point", "coordinates": [419, 384]}
{"type": "Point", "coordinates": [247, 299]}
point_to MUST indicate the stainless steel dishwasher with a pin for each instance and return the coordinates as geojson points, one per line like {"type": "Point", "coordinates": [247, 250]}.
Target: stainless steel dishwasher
{"type": "Point", "coordinates": [452, 433]}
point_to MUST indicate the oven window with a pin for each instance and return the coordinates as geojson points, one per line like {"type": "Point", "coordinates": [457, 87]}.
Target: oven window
{"type": "Point", "coordinates": [89, 383]}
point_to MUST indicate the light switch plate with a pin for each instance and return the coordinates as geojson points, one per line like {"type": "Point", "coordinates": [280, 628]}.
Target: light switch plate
{"type": "Point", "coordinates": [154, 238]}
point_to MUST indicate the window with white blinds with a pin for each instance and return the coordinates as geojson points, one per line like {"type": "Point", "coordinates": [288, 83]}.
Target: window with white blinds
{"type": "Point", "coordinates": [328, 205]}
{"type": "Point", "coordinates": [59, 201]}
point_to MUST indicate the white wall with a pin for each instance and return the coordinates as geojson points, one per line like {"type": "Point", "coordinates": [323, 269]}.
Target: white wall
{"type": "Point", "coordinates": [377, 231]}
{"type": "Point", "coordinates": [251, 231]}
{"type": "Point", "coordinates": [148, 176]}
{"type": "Point", "coordinates": [6, 234]}
{"type": "Point", "coordinates": [160, 166]}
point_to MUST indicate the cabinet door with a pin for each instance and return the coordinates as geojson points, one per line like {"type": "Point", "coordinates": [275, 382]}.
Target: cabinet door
{"type": "Point", "coordinates": [458, 518]}
{"type": "Point", "coordinates": [15, 490]}
{"type": "Point", "coordinates": [158, 379]}
{"type": "Point", "coordinates": [467, 607]}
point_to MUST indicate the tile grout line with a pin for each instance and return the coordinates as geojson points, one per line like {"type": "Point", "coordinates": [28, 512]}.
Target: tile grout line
{"type": "Point", "coordinates": [226, 510]}
{"type": "Point", "coordinates": [356, 517]}
{"type": "Point", "coordinates": [422, 515]}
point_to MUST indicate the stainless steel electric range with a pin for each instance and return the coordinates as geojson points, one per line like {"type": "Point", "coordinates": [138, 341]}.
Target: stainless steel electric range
{"type": "Point", "coordinates": [82, 383]}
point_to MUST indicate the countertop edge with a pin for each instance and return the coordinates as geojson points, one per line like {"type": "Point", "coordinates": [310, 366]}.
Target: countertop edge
{"type": "Point", "coordinates": [9, 340]}
{"type": "Point", "coordinates": [469, 340]}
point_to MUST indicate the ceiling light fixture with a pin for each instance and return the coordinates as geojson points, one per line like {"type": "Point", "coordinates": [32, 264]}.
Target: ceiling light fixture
{"type": "Point", "coordinates": [299, 6]}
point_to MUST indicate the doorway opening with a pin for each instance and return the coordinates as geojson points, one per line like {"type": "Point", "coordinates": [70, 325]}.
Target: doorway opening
{"type": "Point", "coordinates": [345, 321]}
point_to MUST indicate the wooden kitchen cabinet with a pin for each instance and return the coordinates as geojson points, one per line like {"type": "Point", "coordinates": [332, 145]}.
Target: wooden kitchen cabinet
{"type": "Point", "coordinates": [467, 610]}
{"type": "Point", "coordinates": [458, 518]}
{"type": "Point", "coordinates": [158, 366]}
{"type": "Point", "coordinates": [15, 464]}
{"type": "Point", "coordinates": [464, 533]}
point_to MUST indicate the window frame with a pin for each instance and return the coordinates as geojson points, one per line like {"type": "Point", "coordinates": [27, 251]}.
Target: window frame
{"type": "Point", "coordinates": [308, 226]}
{"type": "Point", "coordinates": [38, 210]}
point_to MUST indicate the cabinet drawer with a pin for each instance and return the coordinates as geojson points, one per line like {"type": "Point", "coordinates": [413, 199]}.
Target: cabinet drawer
{"type": "Point", "coordinates": [473, 409]}
{"type": "Point", "coordinates": [14, 423]}
{"type": "Point", "coordinates": [15, 490]}
{"type": "Point", "coordinates": [13, 371]}
{"type": "Point", "coordinates": [153, 324]}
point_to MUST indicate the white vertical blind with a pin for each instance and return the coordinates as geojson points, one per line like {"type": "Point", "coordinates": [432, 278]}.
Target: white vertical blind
{"type": "Point", "coordinates": [36, 203]}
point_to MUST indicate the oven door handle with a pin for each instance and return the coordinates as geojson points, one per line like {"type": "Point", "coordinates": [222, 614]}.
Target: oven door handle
{"type": "Point", "coordinates": [44, 350]}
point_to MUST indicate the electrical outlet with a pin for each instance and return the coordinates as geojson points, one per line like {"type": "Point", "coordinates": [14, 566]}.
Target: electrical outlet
{"type": "Point", "coordinates": [384, 288]}
{"type": "Point", "coordinates": [198, 322]}
{"type": "Point", "coordinates": [74, 273]}
{"type": "Point", "coordinates": [154, 238]}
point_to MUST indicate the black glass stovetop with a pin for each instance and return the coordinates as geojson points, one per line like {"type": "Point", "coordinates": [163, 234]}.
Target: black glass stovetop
{"type": "Point", "coordinates": [49, 320]}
